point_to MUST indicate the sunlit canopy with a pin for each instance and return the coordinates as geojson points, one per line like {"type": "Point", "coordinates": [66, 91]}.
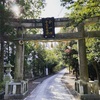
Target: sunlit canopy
{"type": "Point", "coordinates": [15, 8]}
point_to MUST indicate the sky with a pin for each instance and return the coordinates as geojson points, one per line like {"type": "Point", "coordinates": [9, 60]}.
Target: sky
{"type": "Point", "coordinates": [53, 9]}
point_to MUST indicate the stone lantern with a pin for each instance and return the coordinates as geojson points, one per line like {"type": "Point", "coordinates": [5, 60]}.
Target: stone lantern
{"type": "Point", "coordinates": [7, 76]}
{"type": "Point", "coordinates": [13, 89]}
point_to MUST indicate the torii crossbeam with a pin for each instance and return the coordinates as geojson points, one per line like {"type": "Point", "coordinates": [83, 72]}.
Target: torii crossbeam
{"type": "Point", "coordinates": [59, 22]}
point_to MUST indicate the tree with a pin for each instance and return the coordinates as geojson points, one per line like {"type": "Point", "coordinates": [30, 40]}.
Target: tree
{"type": "Point", "coordinates": [93, 56]}
{"type": "Point", "coordinates": [39, 56]}
{"type": "Point", "coordinates": [1, 42]}
{"type": "Point", "coordinates": [29, 9]}
{"type": "Point", "coordinates": [35, 58]}
{"type": "Point", "coordinates": [3, 30]}
{"type": "Point", "coordinates": [82, 9]}
{"type": "Point", "coordinates": [51, 59]}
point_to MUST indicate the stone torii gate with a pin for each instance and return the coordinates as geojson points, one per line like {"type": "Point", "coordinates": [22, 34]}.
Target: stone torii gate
{"type": "Point", "coordinates": [59, 22]}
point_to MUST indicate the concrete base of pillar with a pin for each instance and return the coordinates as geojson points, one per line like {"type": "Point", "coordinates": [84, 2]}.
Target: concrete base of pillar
{"type": "Point", "coordinates": [15, 90]}
{"type": "Point", "coordinates": [14, 97]}
{"type": "Point", "coordinates": [90, 97]}
{"type": "Point", "coordinates": [81, 87]}
{"type": "Point", "coordinates": [93, 87]}
{"type": "Point", "coordinates": [90, 87]}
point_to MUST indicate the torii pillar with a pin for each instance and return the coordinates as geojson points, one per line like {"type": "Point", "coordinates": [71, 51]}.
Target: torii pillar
{"type": "Point", "coordinates": [83, 68]}
{"type": "Point", "coordinates": [19, 87]}
{"type": "Point", "coordinates": [19, 61]}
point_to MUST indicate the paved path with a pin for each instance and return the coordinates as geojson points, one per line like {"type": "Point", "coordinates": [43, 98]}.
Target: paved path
{"type": "Point", "coordinates": [51, 89]}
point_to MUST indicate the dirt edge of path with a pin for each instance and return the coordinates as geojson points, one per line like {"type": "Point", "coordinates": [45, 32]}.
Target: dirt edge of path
{"type": "Point", "coordinates": [70, 86]}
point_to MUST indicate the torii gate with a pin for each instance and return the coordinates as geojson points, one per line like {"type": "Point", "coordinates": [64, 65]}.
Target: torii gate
{"type": "Point", "coordinates": [59, 22]}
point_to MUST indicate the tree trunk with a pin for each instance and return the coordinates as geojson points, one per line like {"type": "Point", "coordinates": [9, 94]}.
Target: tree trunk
{"type": "Point", "coordinates": [2, 41]}
{"type": "Point", "coordinates": [1, 61]}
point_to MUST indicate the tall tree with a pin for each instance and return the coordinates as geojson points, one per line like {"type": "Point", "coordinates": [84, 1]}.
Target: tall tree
{"type": "Point", "coordinates": [10, 8]}
{"type": "Point", "coordinates": [82, 9]}
{"type": "Point", "coordinates": [2, 10]}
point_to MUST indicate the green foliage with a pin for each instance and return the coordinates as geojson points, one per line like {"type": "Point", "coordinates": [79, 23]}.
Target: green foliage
{"type": "Point", "coordinates": [36, 53]}
{"type": "Point", "coordinates": [67, 57]}
{"type": "Point", "coordinates": [1, 86]}
{"type": "Point", "coordinates": [82, 9]}
{"type": "Point", "coordinates": [28, 49]}
{"type": "Point", "coordinates": [31, 8]}
{"type": "Point", "coordinates": [4, 14]}
{"type": "Point", "coordinates": [51, 57]}
{"type": "Point", "coordinates": [54, 58]}
{"type": "Point", "coordinates": [93, 48]}
{"type": "Point", "coordinates": [58, 67]}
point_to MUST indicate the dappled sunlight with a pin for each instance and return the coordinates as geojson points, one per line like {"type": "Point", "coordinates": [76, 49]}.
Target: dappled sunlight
{"type": "Point", "coordinates": [15, 8]}
{"type": "Point", "coordinates": [59, 95]}
{"type": "Point", "coordinates": [58, 91]}
{"type": "Point", "coordinates": [51, 89]}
